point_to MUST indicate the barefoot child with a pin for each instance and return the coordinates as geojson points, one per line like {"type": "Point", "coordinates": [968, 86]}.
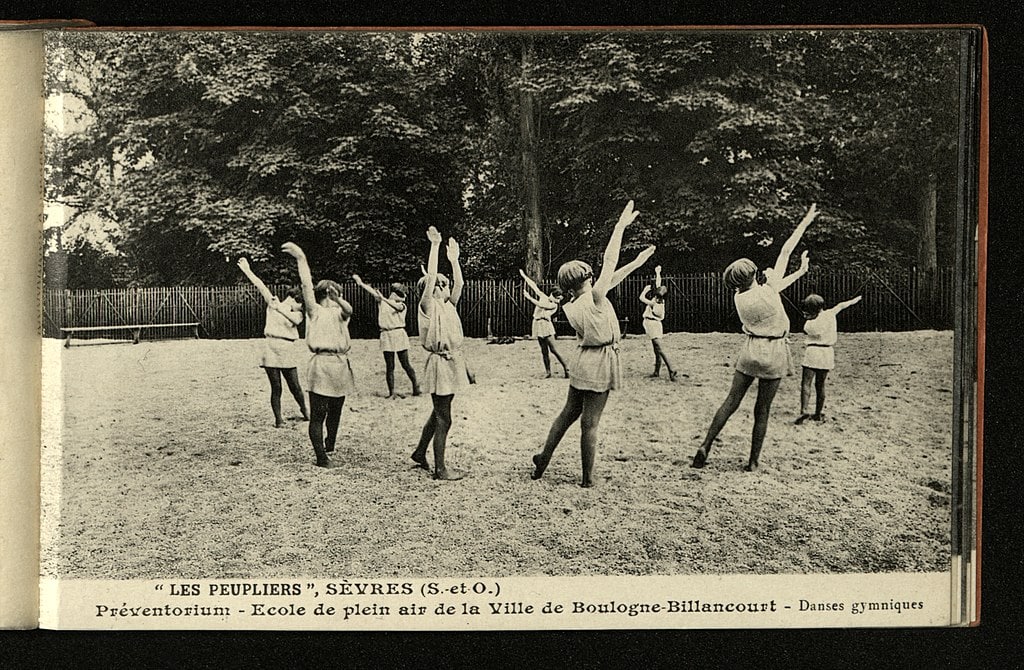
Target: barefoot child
{"type": "Point", "coordinates": [445, 372]}
{"type": "Point", "coordinates": [819, 356]}
{"type": "Point", "coordinates": [330, 372]}
{"type": "Point", "coordinates": [595, 368]}
{"type": "Point", "coordinates": [764, 355]}
{"type": "Point", "coordinates": [543, 330]}
{"type": "Point", "coordinates": [654, 314]}
{"type": "Point", "coordinates": [393, 338]}
{"type": "Point", "coordinates": [280, 332]}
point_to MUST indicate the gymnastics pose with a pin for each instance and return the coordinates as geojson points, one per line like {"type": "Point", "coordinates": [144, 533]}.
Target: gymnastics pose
{"type": "Point", "coordinates": [654, 314]}
{"type": "Point", "coordinates": [595, 368]}
{"type": "Point", "coordinates": [393, 338]}
{"type": "Point", "coordinates": [330, 372]}
{"type": "Point", "coordinates": [445, 372]}
{"type": "Point", "coordinates": [764, 355]}
{"type": "Point", "coordinates": [819, 354]}
{"type": "Point", "coordinates": [280, 332]}
{"type": "Point", "coordinates": [543, 329]}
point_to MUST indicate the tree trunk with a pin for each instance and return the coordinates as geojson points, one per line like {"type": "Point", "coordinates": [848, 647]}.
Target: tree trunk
{"type": "Point", "coordinates": [531, 229]}
{"type": "Point", "coordinates": [926, 255]}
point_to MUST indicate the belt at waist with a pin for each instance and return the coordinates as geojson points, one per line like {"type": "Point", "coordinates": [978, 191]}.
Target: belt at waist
{"type": "Point", "coordinates": [542, 318]}
{"type": "Point", "coordinates": [768, 337]}
{"type": "Point", "coordinates": [651, 318]}
{"type": "Point", "coordinates": [614, 345]}
{"type": "Point", "coordinates": [325, 352]}
{"type": "Point", "coordinates": [385, 330]}
{"type": "Point", "coordinates": [815, 344]}
{"type": "Point", "coordinates": [447, 355]}
{"type": "Point", "coordinates": [278, 337]}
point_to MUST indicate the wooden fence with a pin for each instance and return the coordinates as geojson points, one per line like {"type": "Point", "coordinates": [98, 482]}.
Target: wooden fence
{"type": "Point", "coordinates": [894, 301]}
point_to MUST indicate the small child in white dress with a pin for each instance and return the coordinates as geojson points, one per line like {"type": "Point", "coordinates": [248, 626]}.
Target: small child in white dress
{"type": "Point", "coordinates": [819, 352]}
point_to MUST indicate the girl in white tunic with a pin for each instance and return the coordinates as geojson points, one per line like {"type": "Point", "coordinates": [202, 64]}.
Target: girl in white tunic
{"type": "Point", "coordinates": [280, 332]}
{"type": "Point", "coordinates": [394, 341]}
{"type": "Point", "coordinates": [543, 328]}
{"type": "Point", "coordinates": [445, 371]}
{"type": "Point", "coordinates": [330, 372]}
{"type": "Point", "coordinates": [764, 354]}
{"type": "Point", "coordinates": [654, 314]}
{"type": "Point", "coordinates": [819, 356]}
{"type": "Point", "coordinates": [594, 369]}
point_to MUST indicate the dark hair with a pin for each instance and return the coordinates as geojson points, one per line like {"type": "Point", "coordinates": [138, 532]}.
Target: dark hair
{"type": "Point", "coordinates": [398, 289]}
{"type": "Point", "coordinates": [557, 292]}
{"type": "Point", "coordinates": [323, 286]}
{"type": "Point", "coordinates": [295, 293]}
{"type": "Point", "coordinates": [812, 304]}
{"type": "Point", "coordinates": [661, 292]}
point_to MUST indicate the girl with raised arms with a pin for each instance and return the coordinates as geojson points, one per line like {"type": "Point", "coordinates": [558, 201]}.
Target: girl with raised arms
{"type": "Point", "coordinates": [654, 314]}
{"type": "Point", "coordinates": [543, 329]}
{"type": "Point", "coordinates": [764, 355]}
{"type": "Point", "coordinates": [594, 369]}
{"type": "Point", "coordinates": [394, 341]}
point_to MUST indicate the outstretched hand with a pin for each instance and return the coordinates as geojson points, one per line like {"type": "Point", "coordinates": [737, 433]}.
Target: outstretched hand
{"type": "Point", "coordinates": [805, 261]}
{"type": "Point", "coordinates": [628, 215]}
{"type": "Point", "coordinates": [453, 250]}
{"type": "Point", "coordinates": [293, 250]}
{"type": "Point", "coordinates": [243, 264]}
{"type": "Point", "coordinates": [657, 269]}
{"type": "Point", "coordinates": [856, 300]}
{"type": "Point", "coordinates": [523, 274]}
{"type": "Point", "coordinates": [811, 215]}
{"type": "Point", "coordinates": [646, 254]}
{"type": "Point", "coordinates": [423, 270]}
{"type": "Point", "coordinates": [357, 279]}
{"type": "Point", "coordinates": [433, 235]}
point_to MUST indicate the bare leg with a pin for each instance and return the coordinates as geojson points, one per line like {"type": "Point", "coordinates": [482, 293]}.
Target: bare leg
{"type": "Point", "coordinates": [389, 372]}
{"type": "Point", "coordinates": [766, 389]}
{"type": "Point", "coordinates": [442, 422]}
{"type": "Point", "coordinates": [659, 353]}
{"type": "Point", "coordinates": [819, 389]}
{"type": "Point", "coordinates": [318, 415]}
{"type": "Point", "coordinates": [551, 346]}
{"type": "Point", "coordinates": [334, 408]}
{"type": "Point", "coordinates": [657, 359]}
{"type": "Point", "coordinates": [740, 384]}
{"type": "Point", "coordinates": [427, 434]}
{"type": "Point", "coordinates": [570, 412]}
{"type": "Point", "coordinates": [806, 381]}
{"type": "Point", "coordinates": [403, 358]}
{"type": "Point", "coordinates": [544, 355]}
{"type": "Point", "coordinates": [274, 375]}
{"type": "Point", "coordinates": [593, 406]}
{"type": "Point", "coordinates": [291, 375]}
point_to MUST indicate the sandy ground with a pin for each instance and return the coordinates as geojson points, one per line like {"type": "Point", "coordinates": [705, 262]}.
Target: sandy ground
{"type": "Point", "coordinates": [172, 467]}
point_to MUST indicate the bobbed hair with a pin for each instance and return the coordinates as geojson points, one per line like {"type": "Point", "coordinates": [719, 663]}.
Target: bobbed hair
{"type": "Point", "coordinates": [740, 274]}
{"type": "Point", "coordinates": [295, 293]}
{"type": "Point", "coordinates": [423, 281]}
{"type": "Point", "coordinates": [661, 292]}
{"type": "Point", "coordinates": [812, 305]}
{"type": "Point", "coordinates": [572, 275]}
{"type": "Point", "coordinates": [323, 286]}
{"type": "Point", "coordinates": [398, 289]}
{"type": "Point", "coordinates": [557, 292]}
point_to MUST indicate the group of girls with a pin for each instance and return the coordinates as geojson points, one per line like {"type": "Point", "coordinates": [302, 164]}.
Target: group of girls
{"type": "Point", "coordinates": [593, 367]}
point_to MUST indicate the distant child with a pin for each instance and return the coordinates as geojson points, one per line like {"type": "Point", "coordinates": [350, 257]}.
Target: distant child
{"type": "Point", "coordinates": [765, 354]}
{"type": "Point", "coordinates": [595, 368]}
{"type": "Point", "coordinates": [654, 314]}
{"type": "Point", "coordinates": [543, 329]}
{"type": "Point", "coordinates": [445, 372]}
{"type": "Point", "coordinates": [330, 372]}
{"type": "Point", "coordinates": [393, 338]}
{"type": "Point", "coordinates": [819, 355]}
{"type": "Point", "coordinates": [280, 332]}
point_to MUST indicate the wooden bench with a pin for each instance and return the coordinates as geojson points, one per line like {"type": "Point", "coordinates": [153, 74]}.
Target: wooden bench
{"type": "Point", "coordinates": [136, 329]}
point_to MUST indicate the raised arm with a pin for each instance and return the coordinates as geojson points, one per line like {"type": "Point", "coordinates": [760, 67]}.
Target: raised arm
{"type": "Point", "coordinates": [781, 283]}
{"type": "Point", "coordinates": [542, 299]}
{"type": "Point", "coordinates": [431, 270]}
{"type": "Point", "coordinates": [377, 295]}
{"type": "Point", "coordinates": [630, 267]}
{"type": "Point", "coordinates": [643, 295]}
{"type": "Point", "coordinates": [848, 303]}
{"type": "Point", "coordinates": [305, 276]}
{"type": "Point", "coordinates": [243, 265]}
{"type": "Point", "coordinates": [782, 262]}
{"type": "Point", "coordinates": [526, 294]}
{"type": "Point", "coordinates": [457, 280]}
{"type": "Point", "coordinates": [606, 280]}
{"type": "Point", "coordinates": [532, 284]}
{"type": "Point", "coordinates": [657, 276]}
{"type": "Point", "coordinates": [346, 307]}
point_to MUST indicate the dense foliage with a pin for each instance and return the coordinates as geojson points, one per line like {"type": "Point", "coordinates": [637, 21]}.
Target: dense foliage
{"type": "Point", "coordinates": [193, 148]}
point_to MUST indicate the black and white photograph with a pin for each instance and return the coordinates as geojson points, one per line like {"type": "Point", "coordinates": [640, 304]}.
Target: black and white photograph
{"type": "Point", "coordinates": [385, 305]}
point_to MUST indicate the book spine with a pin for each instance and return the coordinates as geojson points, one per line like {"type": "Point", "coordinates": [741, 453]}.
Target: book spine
{"type": "Point", "coordinates": [21, 205]}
